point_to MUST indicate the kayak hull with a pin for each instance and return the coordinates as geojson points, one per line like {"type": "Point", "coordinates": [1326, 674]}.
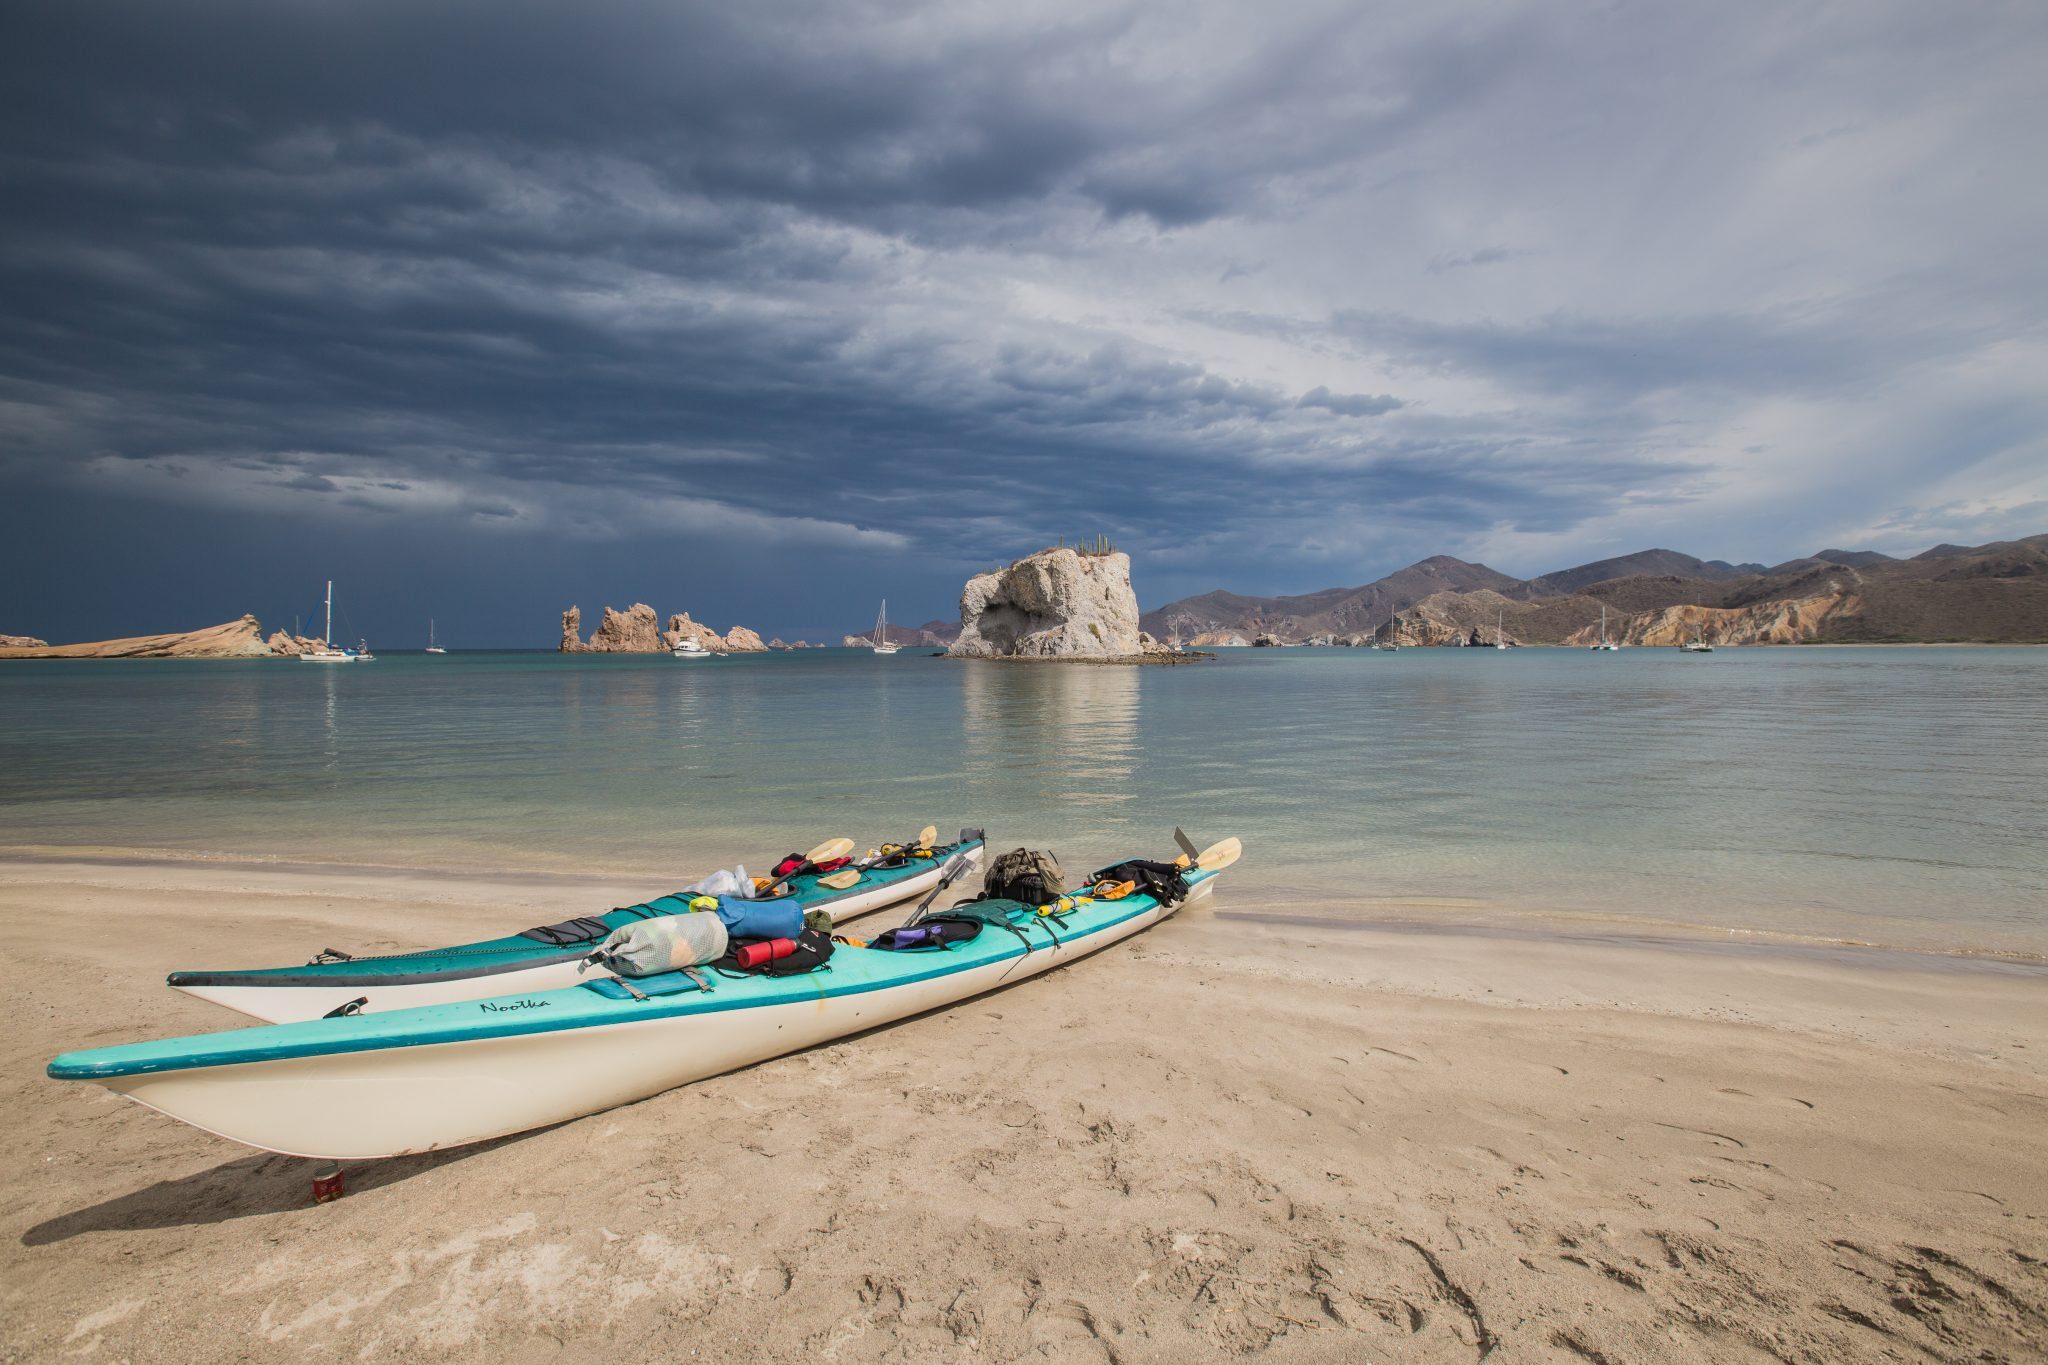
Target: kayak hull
{"type": "Point", "coordinates": [291, 996]}
{"type": "Point", "coordinates": [404, 1097]}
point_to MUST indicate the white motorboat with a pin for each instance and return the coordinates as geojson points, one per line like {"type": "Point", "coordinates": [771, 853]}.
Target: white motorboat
{"type": "Point", "coordinates": [690, 649]}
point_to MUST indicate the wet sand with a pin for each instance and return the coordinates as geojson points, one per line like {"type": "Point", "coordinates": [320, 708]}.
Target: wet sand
{"type": "Point", "coordinates": [1247, 1131]}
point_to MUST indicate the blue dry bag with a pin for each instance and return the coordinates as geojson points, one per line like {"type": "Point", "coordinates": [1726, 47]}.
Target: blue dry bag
{"type": "Point", "coordinates": [779, 918]}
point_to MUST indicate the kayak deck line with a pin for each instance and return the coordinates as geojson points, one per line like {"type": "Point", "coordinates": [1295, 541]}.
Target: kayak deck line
{"type": "Point", "coordinates": [852, 972]}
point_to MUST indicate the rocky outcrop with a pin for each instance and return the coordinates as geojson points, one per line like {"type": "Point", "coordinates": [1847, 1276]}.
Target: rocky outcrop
{"type": "Point", "coordinates": [287, 645]}
{"type": "Point", "coordinates": [1056, 604]}
{"type": "Point", "coordinates": [22, 642]}
{"type": "Point", "coordinates": [681, 628]}
{"type": "Point", "coordinates": [1782, 622]}
{"type": "Point", "coordinates": [740, 640]}
{"type": "Point", "coordinates": [240, 639]}
{"type": "Point", "coordinates": [638, 630]}
{"type": "Point", "coordinates": [1222, 639]}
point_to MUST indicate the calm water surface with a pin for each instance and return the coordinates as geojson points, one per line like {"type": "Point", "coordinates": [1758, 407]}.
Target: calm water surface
{"type": "Point", "coordinates": [1882, 795]}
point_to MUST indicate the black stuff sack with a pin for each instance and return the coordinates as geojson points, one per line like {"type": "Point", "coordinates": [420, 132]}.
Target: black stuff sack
{"type": "Point", "coordinates": [1024, 874]}
{"type": "Point", "coordinates": [812, 951]}
{"type": "Point", "coordinates": [1163, 882]}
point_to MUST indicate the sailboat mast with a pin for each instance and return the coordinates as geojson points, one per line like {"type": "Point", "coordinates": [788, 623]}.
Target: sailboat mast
{"type": "Point", "coordinates": [330, 613]}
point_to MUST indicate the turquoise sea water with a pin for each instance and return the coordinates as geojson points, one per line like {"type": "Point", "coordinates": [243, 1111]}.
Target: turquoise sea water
{"type": "Point", "coordinates": [1879, 795]}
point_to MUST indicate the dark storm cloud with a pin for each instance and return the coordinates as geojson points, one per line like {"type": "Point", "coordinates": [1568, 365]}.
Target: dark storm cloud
{"type": "Point", "coordinates": [889, 284]}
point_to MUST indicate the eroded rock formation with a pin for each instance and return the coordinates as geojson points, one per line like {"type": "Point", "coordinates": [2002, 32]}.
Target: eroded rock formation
{"type": "Point", "coordinates": [681, 628]}
{"type": "Point", "coordinates": [1781, 622]}
{"type": "Point", "coordinates": [239, 639]}
{"type": "Point", "coordinates": [290, 646]}
{"type": "Point", "coordinates": [638, 630]}
{"type": "Point", "coordinates": [740, 640]}
{"type": "Point", "coordinates": [1056, 604]}
{"type": "Point", "coordinates": [22, 642]}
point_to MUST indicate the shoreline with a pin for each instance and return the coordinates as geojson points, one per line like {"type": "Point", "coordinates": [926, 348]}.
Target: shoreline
{"type": "Point", "coordinates": [1236, 1133]}
{"type": "Point", "coordinates": [575, 889]}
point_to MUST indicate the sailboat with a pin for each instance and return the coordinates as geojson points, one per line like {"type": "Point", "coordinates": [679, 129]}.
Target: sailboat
{"type": "Point", "coordinates": [432, 648]}
{"type": "Point", "coordinates": [1388, 643]}
{"type": "Point", "coordinates": [1698, 643]}
{"type": "Point", "coordinates": [1605, 643]}
{"type": "Point", "coordinates": [1500, 639]}
{"type": "Point", "coordinates": [879, 641]}
{"type": "Point", "coordinates": [327, 653]}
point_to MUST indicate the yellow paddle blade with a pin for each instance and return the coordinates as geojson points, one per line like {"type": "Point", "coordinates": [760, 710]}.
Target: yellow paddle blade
{"type": "Point", "coordinates": [829, 851]}
{"type": "Point", "coordinates": [927, 836]}
{"type": "Point", "coordinates": [1218, 856]}
{"type": "Point", "coordinates": [839, 881]}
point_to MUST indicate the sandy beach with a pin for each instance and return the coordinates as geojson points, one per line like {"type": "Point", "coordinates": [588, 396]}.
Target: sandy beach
{"type": "Point", "coordinates": [1250, 1131]}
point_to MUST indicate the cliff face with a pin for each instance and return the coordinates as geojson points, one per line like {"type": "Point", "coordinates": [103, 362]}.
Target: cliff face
{"type": "Point", "coordinates": [1056, 604]}
{"type": "Point", "coordinates": [241, 639]}
{"type": "Point", "coordinates": [22, 642]}
{"type": "Point", "coordinates": [1783, 622]}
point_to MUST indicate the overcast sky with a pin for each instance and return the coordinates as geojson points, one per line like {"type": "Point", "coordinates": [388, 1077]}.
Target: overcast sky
{"type": "Point", "coordinates": [764, 311]}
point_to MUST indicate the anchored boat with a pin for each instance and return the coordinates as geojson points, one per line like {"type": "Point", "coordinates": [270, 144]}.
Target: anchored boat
{"type": "Point", "coordinates": [541, 959]}
{"type": "Point", "coordinates": [415, 1080]}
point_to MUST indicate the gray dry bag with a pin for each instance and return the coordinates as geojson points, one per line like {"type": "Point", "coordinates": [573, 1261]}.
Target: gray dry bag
{"type": "Point", "coordinates": [667, 944]}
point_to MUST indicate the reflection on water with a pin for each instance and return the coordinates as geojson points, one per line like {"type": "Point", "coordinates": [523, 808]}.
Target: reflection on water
{"type": "Point", "coordinates": [1891, 795]}
{"type": "Point", "coordinates": [1071, 733]}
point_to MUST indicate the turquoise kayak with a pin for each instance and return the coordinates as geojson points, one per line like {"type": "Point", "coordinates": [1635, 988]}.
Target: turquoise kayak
{"type": "Point", "coordinates": [534, 960]}
{"type": "Point", "coordinates": [412, 1080]}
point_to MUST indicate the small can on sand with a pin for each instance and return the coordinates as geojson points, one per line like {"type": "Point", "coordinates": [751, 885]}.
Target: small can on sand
{"type": "Point", "coordinates": [328, 1183]}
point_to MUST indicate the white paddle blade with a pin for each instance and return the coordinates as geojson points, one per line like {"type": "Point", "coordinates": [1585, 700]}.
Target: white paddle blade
{"type": "Point", "coordinates": [1218, 856]}
{"type": "Point", "coordinates": [830, 851]}
{"type": "Point", "coordinates": [839, 881]}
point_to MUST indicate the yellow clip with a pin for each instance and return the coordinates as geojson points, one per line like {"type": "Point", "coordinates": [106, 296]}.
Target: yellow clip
{"type": "Point", "coordinates": [703, 902]}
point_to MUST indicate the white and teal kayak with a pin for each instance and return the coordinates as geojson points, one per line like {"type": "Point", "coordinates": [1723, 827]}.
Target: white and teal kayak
{"type": "Point", "coordinates": [413, 1080]}
{"type": "Point", "coordinates": [522, 963]}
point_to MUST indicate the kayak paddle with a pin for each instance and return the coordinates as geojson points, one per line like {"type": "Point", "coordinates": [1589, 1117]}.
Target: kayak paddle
{"type": "Point", "coordinates": [961, 862]}
{"type": "Point", "coordinates": [832, 850]}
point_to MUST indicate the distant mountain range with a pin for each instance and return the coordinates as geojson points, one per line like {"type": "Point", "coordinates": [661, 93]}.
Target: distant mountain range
{"type": "Point", "coordinates": [1995, 593]}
